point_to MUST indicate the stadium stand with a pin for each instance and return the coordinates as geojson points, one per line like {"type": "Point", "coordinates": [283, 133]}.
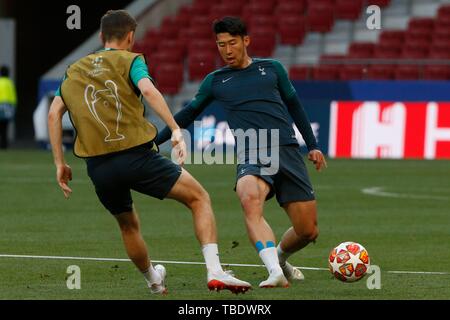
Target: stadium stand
{"type": "Point", "coordinates": [314, 39]}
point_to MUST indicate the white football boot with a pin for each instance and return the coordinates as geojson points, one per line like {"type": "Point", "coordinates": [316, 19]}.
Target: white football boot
{"type": "Point", "coordinates": [291, 273]}
{"type": "Point", "coordinates": [159, 288]}
{"type": "Point", "coordinates": [225, 280]}
{"type": "Point", "coordinates": [275, 280]}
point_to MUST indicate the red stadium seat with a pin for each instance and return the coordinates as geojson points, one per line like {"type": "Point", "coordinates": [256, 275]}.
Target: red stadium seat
{"type": "Point", "coordinates": [185, 10]}
{"type": "Point", "coordinates": [152, 37]}
{"type": "Point", "coordinates": [361, 50]}
{"type": "Point", "coordinates": [182, 19]}
{"type": "Point", "coordinates": [333, 59]}
{"type": "Point", "coordinates": [169, 32]}
{"type": "Point", "coordinates": [241, 3]}
{"type": "Point", "coordinates": [221, 10]}
{"type": "Point", "coordinates": [200, 8]}
{"type": "Point", "coordinates": [163, 57]}
{"type": "Point", "coordinates": [170, 21]}
{"type": "Point", "coordinates": [389, 37]}
{"type": "Point", "coordinates": [320, 18]}
{"type": "Point", "coordinates": [387, 52]}
{"type": "Point", "coordinates": [441, 46]}
{"type": "Point", "coordinates": [380, 3]}
{"type": "Point", "coordinates": [348, 9]}
{"type": "Point", "coordinates": [195, 32]}
{"type": "Point", "coordinates": [200, 64]}
{"type": "Point", "coordinates": [201, 21]}
{"type": "Point", "coordinates": [415, 50]}
{"type": "Point", "coordinates": [441, 29]}
{"type": "Point", "coordinates": [440, 50]}
{"type": "Point", "coordinates": [442, 24]}
{"type": "Point", "coordinates": [261, 21]}
{"type": "Point", "coordinates": [426, 24]}
{"type": "Point", "coordinates": [264, 2]}
{"type": "Point", "coordinates": [168, 56]}
{"type": "Point", "coordinates": [257, 8]}
{"type": "Point", "coordinates": [263, 42]}
{"type": "Point", "coordinates": [418, 35]}
{"type": "Point", "coordinates": [352, 72]}
{"type": "Point", "coordinates": [325, 72]}
{"type": "Point", "coordinates": [441, 36]}
{"type": "Point", "coordinates": [201, 2]}
{"type": "Point", "coordinates": [288, 7]}
{"type": "Point", "coordinates": [407, 72]}
{"type": "Point", "coordinates": [438, 42]}
{"type": "Point", "coordinates": [169, 77]}
{"type": "Point", "coordinates": [176, 46]}
{"type": "Point", "coordinates": [145, 47]}
{"type": "Point", "coordinates": [320, 3]}
{"type": "Point", "coordinates": [201, 45]}
{"type": "Point", "coordinates": [436, 72]}
{"type": "Point", "coordinates": [380, 72]}
{"type": "Point", "coordinates": [292, 29]}
{"type": "Point", "coordinates": [444, 11]}
{"type": "Point", "coordinates": [299, 72]}
{"type": "Point", "coordinates": [194, 10]}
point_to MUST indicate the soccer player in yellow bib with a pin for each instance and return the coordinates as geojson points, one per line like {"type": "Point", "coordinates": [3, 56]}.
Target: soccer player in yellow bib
{"type": "Point", "coordinates": [102, 93]}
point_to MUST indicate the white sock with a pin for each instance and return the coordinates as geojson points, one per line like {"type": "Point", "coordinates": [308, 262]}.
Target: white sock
{"type": "Point", "coordinates": [211, 254]}
{"type": "Point", "coordinates": [282, 256]}
{"type": "Point", "coordinates": [270, 258]}
{"type": "Point", "coordinates": [151, 276]}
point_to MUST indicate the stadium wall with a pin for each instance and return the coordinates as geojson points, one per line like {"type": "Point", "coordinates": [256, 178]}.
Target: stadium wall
{"type": "Point", "coordinates": [356, 119]}
{"type": "Point", "coordinates": [362, 119]}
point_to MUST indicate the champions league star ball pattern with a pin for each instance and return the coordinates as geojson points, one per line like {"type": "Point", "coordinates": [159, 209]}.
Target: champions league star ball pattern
{"type": "Point", "coordinates": [349, 261]}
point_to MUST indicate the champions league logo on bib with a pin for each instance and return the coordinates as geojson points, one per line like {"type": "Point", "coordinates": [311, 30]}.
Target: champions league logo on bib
{"type": "Point", "coordinates": [98, 70]}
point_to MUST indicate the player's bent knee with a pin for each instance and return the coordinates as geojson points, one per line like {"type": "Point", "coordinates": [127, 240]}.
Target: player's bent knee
{"type": "Point", "coordinates": [199, 196]}
{"type": "Point", "coordinates": [203, 196]}
{"type": "Point", "coordinates": [249, 199]}
{"type": "Point", "coordinates": [128, 223]}
{"type": "Point", "coordinates": [307, 234]}
{"type": "Point", "coordinates": [129, 227]}
{"type": "Point", "coordinates": [311, 235]}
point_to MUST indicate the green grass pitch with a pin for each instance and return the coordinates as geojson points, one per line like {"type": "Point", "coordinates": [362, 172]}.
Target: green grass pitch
{"type": "Point", "coordinates": [407, 228]}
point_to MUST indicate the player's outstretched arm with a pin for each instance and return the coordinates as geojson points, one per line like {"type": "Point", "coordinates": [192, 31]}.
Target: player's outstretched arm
{"type": "Point", "coordinates": [159, 105]}
{"type": "Point", "coordinates": [63, 171]}
{"type": "Point", "coordinates": [184, 118]}
{"type": "Point", "coordinates": [190, 112]}
{"type": "Point", "coordinates": [157, 102]}
{"type": "Point", "coordinates": [302, 122]}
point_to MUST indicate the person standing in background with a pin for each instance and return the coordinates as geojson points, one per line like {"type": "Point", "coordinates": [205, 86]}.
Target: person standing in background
{"type": "Point", "coordinates": [8, 102]}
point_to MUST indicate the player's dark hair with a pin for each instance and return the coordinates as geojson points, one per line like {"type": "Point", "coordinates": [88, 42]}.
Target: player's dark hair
{"type": "Point", "coordinates": [4, 71]}
{"type": "Point", "coordinates": [116, 24]}
{"type": "Point", "coordinates": [232, 25]}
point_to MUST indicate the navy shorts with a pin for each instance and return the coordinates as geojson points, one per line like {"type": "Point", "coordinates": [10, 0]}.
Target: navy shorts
{"type": "Point", "coordinates": [290, 183]}
{"type": "Point", "coordinates": [140, 169]}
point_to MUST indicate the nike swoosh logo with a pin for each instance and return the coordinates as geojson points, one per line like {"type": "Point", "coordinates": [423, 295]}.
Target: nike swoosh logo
{"type": "Point", "coordinates": [225, 80]}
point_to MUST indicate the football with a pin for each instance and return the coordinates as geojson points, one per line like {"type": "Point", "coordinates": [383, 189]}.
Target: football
{"type": "Point", "coordinates": [349, 261]}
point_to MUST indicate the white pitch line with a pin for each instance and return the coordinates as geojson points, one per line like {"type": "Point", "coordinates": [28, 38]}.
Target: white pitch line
{"type": "Point", "coordinates": [62, 258]}
{"type": "Point", "coordinates": [194, 263]}
{"type": "Point", "coordinates": [128, 260]}
{"type": "Point", "coordinates": [378, 192]}
{"type": "Point", "coordinates": [420, 272]}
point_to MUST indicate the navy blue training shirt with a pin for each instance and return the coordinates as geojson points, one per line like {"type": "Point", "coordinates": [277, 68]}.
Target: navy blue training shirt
{"type": "Point", "coordinates": [259, 96]}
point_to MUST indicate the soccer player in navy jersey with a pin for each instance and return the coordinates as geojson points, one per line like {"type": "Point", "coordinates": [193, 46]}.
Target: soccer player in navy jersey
{"type": "Point", "coordinates": [257, 95]}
